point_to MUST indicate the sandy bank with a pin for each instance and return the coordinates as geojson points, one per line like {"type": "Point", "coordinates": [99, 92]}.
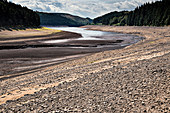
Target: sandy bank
{"type": "Point", "coordinates": [33, 36]}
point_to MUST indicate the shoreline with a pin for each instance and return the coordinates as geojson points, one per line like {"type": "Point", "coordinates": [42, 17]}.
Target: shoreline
{"type": "Point", "coordinates": [132, 79]}
{"type": "Point", "coordinates": [28, 48]}
{"type": "Point", "coordinates": [17, 48]}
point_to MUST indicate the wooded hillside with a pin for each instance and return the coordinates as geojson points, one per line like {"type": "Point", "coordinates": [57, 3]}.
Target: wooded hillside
{"type": "Point", "coordinates": [149, 14]}
{"type": "Point", "coordinates": [113, 18]}
{"type": "Point", "coordinates": [14, 15]}
{"type": "Point", "coordinates": [62, 19]}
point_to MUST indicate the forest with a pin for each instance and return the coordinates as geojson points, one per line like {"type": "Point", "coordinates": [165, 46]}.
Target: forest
{"type": "Point", "coordinates": [15, 15]}
{"type": "Point", "coordinates": [149, 14]}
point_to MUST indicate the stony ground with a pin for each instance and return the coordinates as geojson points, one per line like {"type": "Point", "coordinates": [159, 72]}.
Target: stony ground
{"type": "Point", "coordinates": [133, 79]}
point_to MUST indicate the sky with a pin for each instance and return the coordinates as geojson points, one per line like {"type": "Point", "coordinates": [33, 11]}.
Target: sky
{"type": "Point", "coordinates": [83, 8]}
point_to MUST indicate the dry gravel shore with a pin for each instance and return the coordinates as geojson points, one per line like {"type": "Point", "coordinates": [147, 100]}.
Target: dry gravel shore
{"type": "Point", "coordinates": [133, 79]}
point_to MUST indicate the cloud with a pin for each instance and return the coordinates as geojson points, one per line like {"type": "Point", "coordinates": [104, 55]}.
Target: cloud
{"type": "Point", "coordinates": [84, 8]}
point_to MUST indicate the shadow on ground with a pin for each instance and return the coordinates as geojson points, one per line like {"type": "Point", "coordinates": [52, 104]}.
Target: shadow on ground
{"type": "Point", "coordinates": [17, 28]}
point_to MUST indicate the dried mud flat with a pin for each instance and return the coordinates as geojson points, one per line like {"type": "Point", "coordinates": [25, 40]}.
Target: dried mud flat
{"type": "Point", "coordinates": [133, 79]}
{"type": "Point", "coordinates": [22, 51]}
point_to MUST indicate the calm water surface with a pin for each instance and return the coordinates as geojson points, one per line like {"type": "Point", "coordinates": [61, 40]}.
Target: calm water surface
{"type": "Point", "coordinates": [97, 36]}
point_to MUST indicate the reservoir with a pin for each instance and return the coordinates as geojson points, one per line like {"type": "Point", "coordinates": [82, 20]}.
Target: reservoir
{"type": "Point", "coordinates": [96, 39]}
{"type": "Point", "coordinates": [30, 56]}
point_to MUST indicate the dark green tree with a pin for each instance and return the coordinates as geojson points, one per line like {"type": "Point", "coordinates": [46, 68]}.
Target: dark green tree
{"type": "Point", "coordinates": [15, 15]}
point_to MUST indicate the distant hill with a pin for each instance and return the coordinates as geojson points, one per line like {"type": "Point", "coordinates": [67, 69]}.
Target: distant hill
{"type": "Point", "coordinates": [113, 18]}
{"type": "Point", "coordinates": [149, 14]}
{"type": "Point", "coordinates": [15, 15]}
{"type": "Point", "coordinates": [62, 19]}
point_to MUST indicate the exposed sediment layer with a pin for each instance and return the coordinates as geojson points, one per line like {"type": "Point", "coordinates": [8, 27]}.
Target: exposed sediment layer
{"type": "Point", "coordinates": [16, 49]}
{"type": "Point", "coordinates": [26, 51]}
{"type": "Point", "coordinates": [132, 79]}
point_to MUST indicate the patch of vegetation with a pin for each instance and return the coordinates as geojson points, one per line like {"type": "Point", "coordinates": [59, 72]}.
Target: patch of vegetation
{"type": "Point", "coordinates": [51, 31]}
{"type": "Point", "coordinates": [45, 28]}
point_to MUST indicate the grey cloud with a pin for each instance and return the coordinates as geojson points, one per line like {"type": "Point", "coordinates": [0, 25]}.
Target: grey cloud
{"type": "Point", "coordinates": [85, 8]}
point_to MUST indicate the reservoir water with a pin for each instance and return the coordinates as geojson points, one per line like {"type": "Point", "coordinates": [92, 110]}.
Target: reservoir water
{"type": "Point", "coordinates": [44, 53]}
{"type": "Point", "coordinates": [95, 39]}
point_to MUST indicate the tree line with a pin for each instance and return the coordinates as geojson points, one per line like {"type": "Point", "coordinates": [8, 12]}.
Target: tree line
{"type": "Point", "coordinates": [15, 15]}
{"type": "Point", "coordinates": [148, 14]}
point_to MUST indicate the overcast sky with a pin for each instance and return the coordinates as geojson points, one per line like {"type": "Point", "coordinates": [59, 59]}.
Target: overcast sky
{"type": "Point", "coordinates": [83, 8]}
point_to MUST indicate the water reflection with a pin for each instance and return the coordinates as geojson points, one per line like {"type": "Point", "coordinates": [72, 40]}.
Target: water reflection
{"type": "Point", "coordinates": [86, 34]}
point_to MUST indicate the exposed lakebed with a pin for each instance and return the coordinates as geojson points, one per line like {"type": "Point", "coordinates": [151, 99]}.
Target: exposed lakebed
{"type": "Point", "coordinates": [26, 56]}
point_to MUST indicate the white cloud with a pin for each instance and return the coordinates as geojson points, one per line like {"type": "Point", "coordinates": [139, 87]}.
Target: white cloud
{"type": "Point", "coordinates": [84, 8]}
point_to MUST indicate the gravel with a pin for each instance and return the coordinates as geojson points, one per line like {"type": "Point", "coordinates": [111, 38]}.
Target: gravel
{"type": "Point", "coordinates": [133, 79]}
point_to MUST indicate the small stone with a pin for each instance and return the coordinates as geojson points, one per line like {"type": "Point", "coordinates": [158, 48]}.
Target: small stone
{"type": "Point", "coordinates": [152, 107]}
{"type": "Point", "coordinates": [143, 103]}
{"type": "Point", "coordinates": [145, 111]}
